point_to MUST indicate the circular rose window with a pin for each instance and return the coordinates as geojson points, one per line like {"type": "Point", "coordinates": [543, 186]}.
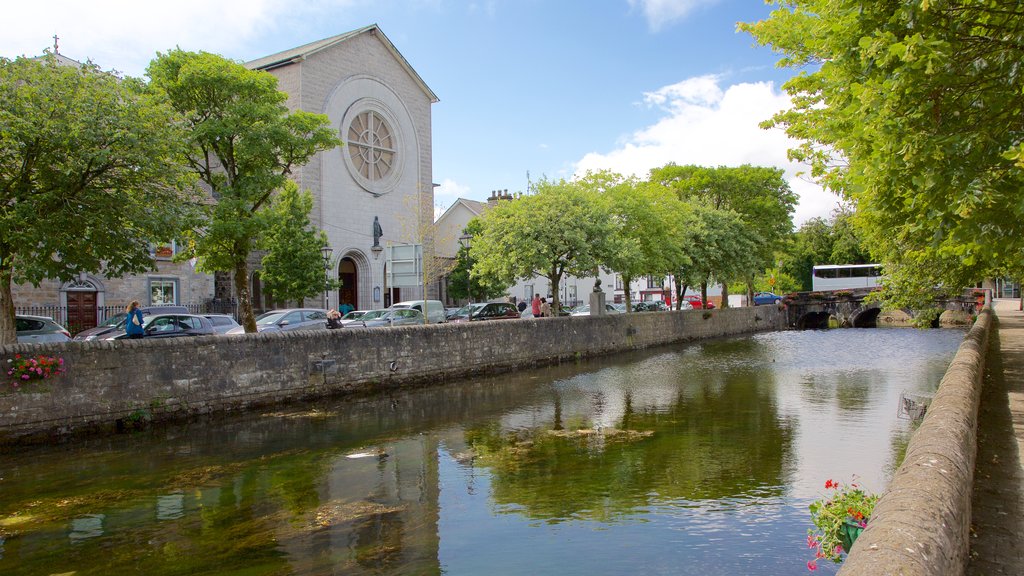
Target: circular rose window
{"type": "Point", "coordinates": [372, 150]}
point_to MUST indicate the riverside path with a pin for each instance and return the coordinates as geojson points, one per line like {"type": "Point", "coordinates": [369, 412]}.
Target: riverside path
{"type": "Point", "coordinates": [997, 519]}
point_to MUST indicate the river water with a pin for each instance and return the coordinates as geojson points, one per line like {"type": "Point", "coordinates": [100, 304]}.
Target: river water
{"type": "Point", "coordinates": [697, 458]}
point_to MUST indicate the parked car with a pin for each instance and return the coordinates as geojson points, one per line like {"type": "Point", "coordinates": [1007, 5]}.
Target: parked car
{"type": "Point", "coordinates": [489, 311]}
{"type": "Point", "coordinates": [38, 329]}
{"type": "Point", "coordinates": [762, 298]}
{"type": "Point", "coordinates": [396, 317]}
{"type": "Point", "coordinates": [222, 322]}
{"type": "Point", "coordinates": [463, 313]}
{"type": "Point", "coordinates": [352, 317]}
{"type": "Point", "coordinates": [168, 326]}
{"type": "Point", "coordinates": [697, 303]}
{"type": "Point", "coordinates": [363, 317]}
{"type": "Point", "coordinates": [435, 309]}
{"type": "Point", "coordinates": [116, 322]}
{"type": "Point", "coordinates": [585, 310]}
{"type": "Point", "coordinates": [288, 320]}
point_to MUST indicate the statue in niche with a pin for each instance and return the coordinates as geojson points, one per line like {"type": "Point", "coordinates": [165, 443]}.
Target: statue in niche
{"type": "Point", "coordinates": [377, 232]}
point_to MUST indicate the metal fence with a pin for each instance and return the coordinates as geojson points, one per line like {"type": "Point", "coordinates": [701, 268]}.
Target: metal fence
{"type": "Point", "coordinates": [60, 313]}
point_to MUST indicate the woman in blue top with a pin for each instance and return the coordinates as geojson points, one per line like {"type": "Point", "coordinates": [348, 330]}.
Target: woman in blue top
{"type": "Point", "coordinates": [133, 322]}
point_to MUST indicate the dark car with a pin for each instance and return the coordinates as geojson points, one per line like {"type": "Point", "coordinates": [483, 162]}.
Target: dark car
{"type": "Point", "coordinates": [288, 320]}
{"type": "Point", "coordinates": [697, 303]}
{"type": "Point", "coordinates": [463, 313]}
{"type": "Point", "coordinates": [37, 329]}
{"type": "Point", "coordinates": [762, 298]}
{"type": "Point", "coordinates": [116, 322]}
{"type": "Point", "coordinates": [488, 311]}
{"type": "Point", "coordinates": [168, 326]}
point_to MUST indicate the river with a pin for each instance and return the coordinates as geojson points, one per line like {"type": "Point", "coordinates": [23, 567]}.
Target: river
{"type": "Point", "coordinates": [697, 458]}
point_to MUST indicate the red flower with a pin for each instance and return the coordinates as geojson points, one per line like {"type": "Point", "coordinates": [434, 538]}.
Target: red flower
{"type": "Point", "coordinates": [829, 484]}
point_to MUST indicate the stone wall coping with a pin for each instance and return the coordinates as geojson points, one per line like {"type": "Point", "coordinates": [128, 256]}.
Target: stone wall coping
{"type": "Point", "coordinates": [921, 524]}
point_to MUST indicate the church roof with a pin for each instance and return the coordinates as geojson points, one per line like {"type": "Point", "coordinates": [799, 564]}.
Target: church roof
{"type": "Point", "coordinates": [300, 53]}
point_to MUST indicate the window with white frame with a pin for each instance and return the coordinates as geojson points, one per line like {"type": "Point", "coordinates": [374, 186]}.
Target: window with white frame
{"type": "Point", "coordinates": [528, 292]}
{"type": "Point", "coordinates": [163, 291]}
{"type": "Point", "coordinates": [618, 282]}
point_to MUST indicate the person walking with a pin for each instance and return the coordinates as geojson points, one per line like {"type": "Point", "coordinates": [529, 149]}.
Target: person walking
{"type": "Point", "coordinates": [133, 320]}
{"type": "Point", "coordinates": [545, 308]}
{"type": "Point", "coordinates": [535, 306]}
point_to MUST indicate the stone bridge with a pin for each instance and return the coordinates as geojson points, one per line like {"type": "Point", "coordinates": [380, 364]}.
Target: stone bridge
{"type": "Point", "coordinates": [851, 309]}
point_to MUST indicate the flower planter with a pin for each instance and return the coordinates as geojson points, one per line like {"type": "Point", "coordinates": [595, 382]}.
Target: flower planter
{"type": "Point", "coordinates": [849, 530]}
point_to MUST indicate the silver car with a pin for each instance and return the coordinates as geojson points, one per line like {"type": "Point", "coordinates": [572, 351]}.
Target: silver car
{"type": "Point", "coordinates": [222, 322]}
{"type": "Point", "coordinates": [36, 329]}
{"type": "Point", "coordinates": [396, 317]}
{"type": "Point", "coordinates": [287, 320]}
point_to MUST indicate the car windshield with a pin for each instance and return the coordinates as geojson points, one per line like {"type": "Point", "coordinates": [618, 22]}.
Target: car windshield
{"type": "Point", "coordinates": [269, 318]}
{"type": "Point", "coordinates": [115, 320]}
{"type": "Point", "coordinates": [353, 315]}
{"type": "Point", "coordinates": [468, 310]}
{"type": "Point", "coordinates": [373, 314]}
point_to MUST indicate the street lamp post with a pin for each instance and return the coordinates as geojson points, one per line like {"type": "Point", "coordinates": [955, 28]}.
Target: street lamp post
{"type": "Point", "coordinates": [326, 252]}
{"type": "Point", "coordinates": [466, 240]}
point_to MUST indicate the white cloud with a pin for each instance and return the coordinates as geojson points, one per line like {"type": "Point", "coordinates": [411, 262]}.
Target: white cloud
{"type": "Point", "coordinates": [449, 188]}
{"type": "Point", "coordinates": [662, 12]}
{"type": "Point", "coordinates": [126, 34]}
{"type": "Point", "coordinates": [708, 126]}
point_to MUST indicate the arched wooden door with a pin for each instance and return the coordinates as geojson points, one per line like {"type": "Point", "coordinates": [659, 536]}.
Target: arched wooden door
{"type": "Point", "coordinates": [348, 293]}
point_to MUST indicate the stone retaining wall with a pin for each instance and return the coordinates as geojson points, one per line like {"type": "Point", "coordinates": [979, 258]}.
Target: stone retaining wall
{"type": "Point", "coordinates": [921, 525]}
{"type": "Point", "coordinates": [118, 383]}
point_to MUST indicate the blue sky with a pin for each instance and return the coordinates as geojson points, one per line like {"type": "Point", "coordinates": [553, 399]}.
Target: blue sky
{"type": "Point", "coordinates": [549, 87]}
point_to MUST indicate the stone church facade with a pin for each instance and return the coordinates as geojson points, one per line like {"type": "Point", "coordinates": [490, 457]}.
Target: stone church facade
{"type": "Point", "coordinates": [382, 110]}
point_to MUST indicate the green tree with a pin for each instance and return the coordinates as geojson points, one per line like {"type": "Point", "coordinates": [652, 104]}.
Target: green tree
{"type": "Point", "coordinates": [655, 229]}
{"type": "Point", "coordinates": [243, 145]}
{"type": "Point", "coordinates": [912, 111]}
{"type": "Point", "coordinates": [834, 240]}
{"type": "Point", "coordinates": [759, 195]}
{"type": "Point", "coordinates": [463, 276]}
{"type": "Point", "coordinates": [293, 267]}
{"type": "Point", "coordinates": [92, 174]}
{"type": "Point", "coordinates": [725, 250]}
{"type": "Point", "coordinates": [563, 228]}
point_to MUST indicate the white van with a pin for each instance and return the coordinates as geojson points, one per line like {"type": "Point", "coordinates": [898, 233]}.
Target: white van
{"type": "Point", "coordinates": [435, 309]}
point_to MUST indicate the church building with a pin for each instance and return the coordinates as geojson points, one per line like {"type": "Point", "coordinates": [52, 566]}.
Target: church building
{"type": "Point", "coordinates": [371, 195]}
{"type": "Point", "coordinates": [375, 191]}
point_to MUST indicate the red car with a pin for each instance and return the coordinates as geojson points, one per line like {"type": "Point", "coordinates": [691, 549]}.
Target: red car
{"type": "Point", "coordinates": [696, 302]}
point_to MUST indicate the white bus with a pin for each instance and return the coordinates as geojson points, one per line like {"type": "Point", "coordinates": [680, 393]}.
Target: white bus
{"type": "Point", "coordinates": [845, 276]}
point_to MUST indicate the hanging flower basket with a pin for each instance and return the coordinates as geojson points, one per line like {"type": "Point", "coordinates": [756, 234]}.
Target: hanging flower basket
{"type": "Point", "coordinates": [849, 530]}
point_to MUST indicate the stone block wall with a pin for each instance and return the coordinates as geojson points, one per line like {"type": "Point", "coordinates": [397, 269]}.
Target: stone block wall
{"type": "Point", "coordinates": [921, 525]}
{"type": "Point", "coordinates": [112, 382]}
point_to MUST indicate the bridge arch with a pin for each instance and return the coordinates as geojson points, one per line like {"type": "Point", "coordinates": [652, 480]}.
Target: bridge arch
{"type": "Point", "coordinates": [865, 317]}
{"type": "Point", "coordinates": [813, 321]}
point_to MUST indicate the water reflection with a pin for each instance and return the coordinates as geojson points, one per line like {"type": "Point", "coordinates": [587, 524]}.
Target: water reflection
{"type": "Point", "coordinates": [696, 458]}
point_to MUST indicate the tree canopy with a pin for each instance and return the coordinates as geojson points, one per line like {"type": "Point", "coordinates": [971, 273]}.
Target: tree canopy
{"type": "Point", "coordinates": [563, 228]}
{"type": "Point", "coordinates": [912, 111]}
{"type": "Point", "coordinates": [243, 144]}
{"type": "Point", "coordinates": [656, 230]}
{"type": "Point", "coordinates": [92, 174]}
{"type": "Point", "coordinates": [293, 267]}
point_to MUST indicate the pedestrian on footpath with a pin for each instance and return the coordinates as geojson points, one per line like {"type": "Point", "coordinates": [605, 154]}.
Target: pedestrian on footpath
{"type": "Point", "coordinates": [133, 320]}
{"type": "Point", "coordinates": [535, 306]}
{"type": "Point", "coordinates": [545, 308]}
